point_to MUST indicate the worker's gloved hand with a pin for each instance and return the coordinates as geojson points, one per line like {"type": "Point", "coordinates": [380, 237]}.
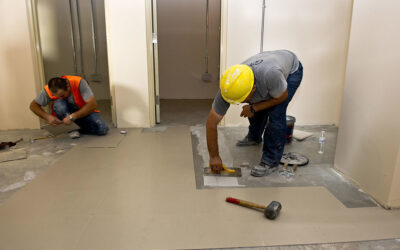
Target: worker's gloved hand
{"type": "Point", "coordinates": [216, 164]}
{"type": "Point", "coordinates": [52, 120]}
{"type": "Point", "coordinates": [246, 112]}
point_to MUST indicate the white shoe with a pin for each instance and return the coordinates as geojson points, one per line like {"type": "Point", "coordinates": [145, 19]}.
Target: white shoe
{"type": "Point", "coordinates": [74, 134]}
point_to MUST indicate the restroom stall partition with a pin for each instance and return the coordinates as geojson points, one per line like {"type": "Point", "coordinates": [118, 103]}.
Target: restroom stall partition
{"type": "Point", "coordinates": [188, 39]}
{"type": "Point", "coordinates": [73, 42]}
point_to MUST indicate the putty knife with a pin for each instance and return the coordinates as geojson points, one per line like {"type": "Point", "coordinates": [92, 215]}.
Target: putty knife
{"type": "Point", "coordinates": [227, 172]}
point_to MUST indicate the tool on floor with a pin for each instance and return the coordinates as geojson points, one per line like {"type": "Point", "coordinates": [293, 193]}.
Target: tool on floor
{"type": "Point", "coordinates": [288, 171]}
{"type": "Point", "coordinates": [271, 211]}
{"type": "Point", "coordinates": [32, 140]}
{"type": "Point", "coordinates": [227, 172]}
{"type": "Point", "coordinates": [9, 144]}
{"type": "Point", "coordinates": [293, 158]}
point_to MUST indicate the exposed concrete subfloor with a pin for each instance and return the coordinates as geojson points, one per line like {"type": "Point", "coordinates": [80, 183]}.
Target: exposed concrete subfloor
{"type": "Point", "coordinates": [40, 155]}
{"type": "Point", "coordinates": [319, 171]}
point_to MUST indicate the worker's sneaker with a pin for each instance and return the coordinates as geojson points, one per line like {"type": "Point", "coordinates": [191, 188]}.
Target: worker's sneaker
{"type": "Point", "coordinates": [246, 141]}
{"type": "Point", "coordinates": [74, 134]}
{"type": "Point", "coordinates": [262, 169]}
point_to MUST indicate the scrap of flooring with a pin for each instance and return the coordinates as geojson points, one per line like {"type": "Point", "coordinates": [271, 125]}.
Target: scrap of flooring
{"type": "Point", "coordinates": [301, 135]}
{"type": "Point", "coordinates": [142, 195]}
{"type": "Point", "coordinates": [60, 129]}
{"type": "Point", "coordinates": [12, 155]}
{"type": "Point", "coordinates": [111, 140]}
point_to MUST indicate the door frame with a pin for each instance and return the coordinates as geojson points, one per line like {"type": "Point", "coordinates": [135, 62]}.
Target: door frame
{"type": "Point", "coordinates": [152, 55]}
{"type": "Point", "coordinates": [36, 48]}
{"type": "Point", "coordinates": [152, 62]}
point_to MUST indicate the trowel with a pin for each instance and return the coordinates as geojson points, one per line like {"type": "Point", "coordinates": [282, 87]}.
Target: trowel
{"type": "Point", "coordinates": [227, 172]}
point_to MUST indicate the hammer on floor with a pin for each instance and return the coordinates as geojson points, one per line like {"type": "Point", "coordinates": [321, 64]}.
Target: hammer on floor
{"type": "Point", "coordinates": [271, 211]}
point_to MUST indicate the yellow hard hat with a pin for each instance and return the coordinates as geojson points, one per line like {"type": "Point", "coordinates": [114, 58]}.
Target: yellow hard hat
{"type": "Point", "coordinates": [237, 83]}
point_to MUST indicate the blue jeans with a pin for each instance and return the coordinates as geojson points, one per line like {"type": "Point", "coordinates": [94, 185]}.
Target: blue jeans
{"type": "Point", "coordinates": [90, 124]}
{"type": "Point", "coordinates": [275, 130]}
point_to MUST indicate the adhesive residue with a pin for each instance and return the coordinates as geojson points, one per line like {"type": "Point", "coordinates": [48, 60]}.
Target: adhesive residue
{"type": "Point", "coordinates": [29, 175]}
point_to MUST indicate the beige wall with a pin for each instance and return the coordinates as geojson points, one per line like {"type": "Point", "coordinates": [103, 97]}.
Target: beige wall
{"type": "Point", "coordinates": [317, 31]}
{"type": "Point", "coordinates": [127, 55]}
{"type": "Point", "coordinates": [17, 81]}
{"type": "Point", "coordinates": [368, 141]}
{"type": "Point", "coordinates": [181, 48]}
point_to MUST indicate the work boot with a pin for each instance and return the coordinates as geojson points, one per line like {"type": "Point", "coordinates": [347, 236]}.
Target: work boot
{"type": "Point", "coordinates": [262, 169]}
{"type": "Point", "coordinates": [246, 141]}
{"type": "Point", "coordinates": [74, 134]}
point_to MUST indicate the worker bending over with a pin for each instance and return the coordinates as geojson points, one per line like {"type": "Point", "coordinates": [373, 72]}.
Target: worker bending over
{"type": "Point", "coordinates": [267, 83]}
{"type": "Point", "coordinates": [72, 101]}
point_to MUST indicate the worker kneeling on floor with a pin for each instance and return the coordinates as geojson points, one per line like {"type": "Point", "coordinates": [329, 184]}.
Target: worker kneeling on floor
{"type": "Point", "coordinates": [72, 101]}
{"type": "Point", "coordinates": [267, 82]}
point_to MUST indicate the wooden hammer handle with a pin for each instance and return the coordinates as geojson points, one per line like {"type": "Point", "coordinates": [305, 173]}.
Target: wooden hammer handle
{"type": "Point", "coordinates": [244, 203]}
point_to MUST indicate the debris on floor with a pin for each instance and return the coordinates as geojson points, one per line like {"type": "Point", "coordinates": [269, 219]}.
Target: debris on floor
{"type": "Point", "coordinates": [301, 135]}
{"type": "Point", "coordinates": [288, 171]}
{"type": "Point", "coordinates": [12, 155]}
{"type": "Point", "coordinates": [29, 175]}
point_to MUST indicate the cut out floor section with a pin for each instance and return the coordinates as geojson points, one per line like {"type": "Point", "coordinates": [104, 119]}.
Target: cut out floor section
{"type": "Point", "coordinates": [111, 140]}
{"type": "Point", "coordinates": [142, 195]}
{"type": "Point", "coordinates": [319, 171]}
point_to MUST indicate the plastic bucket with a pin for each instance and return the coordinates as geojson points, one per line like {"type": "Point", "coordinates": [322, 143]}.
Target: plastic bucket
{"type": "Point", "coordinates": [290, 121]}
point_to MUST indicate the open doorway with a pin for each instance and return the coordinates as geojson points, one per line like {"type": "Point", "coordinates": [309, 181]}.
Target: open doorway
{"type": "Point", "coordinates": [188, 35]}
{"type": "Point", "coordinates": [72, 38]}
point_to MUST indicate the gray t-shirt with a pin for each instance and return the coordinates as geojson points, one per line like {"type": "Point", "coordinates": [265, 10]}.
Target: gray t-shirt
{"type": "Point", "coordinates": [43, 98]}
{"type": "Point", "coordinates": [270, 69]}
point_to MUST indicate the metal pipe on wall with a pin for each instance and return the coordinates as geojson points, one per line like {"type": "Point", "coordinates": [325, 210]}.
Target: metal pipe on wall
{"type": "Point", "coordinates": [93, 35]}
{"type": "Point", "coordinates": [206, 77]}
{"type": "Point", "coordinates": [73, 37]}
{"type": "Point", "coordinates": [95, 77]}
{"type": "Point", "coordinates": [262, 27]}
{"type": "Point", "coordinates": [82, 73]}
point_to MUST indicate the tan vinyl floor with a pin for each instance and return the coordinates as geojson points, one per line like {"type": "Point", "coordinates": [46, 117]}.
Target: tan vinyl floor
{"type": "Point", "coordinates": [142, 195]}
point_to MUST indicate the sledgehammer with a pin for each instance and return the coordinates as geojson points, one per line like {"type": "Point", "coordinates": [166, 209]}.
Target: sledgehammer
{"type": "Point", "coordinates": [271, 211]}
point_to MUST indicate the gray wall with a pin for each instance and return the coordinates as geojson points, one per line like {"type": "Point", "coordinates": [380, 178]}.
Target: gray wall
{"type": "Point", "coordinates": [181, 38]}
{"type": "Point", "coordinates": [57, 49]}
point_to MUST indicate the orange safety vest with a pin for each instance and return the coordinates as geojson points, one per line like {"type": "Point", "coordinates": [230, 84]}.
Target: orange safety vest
{"type": "Point", "coordinates": [74, 82]}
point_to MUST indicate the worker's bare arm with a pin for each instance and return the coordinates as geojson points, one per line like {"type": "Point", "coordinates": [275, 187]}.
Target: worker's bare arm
{"type": "Point", "coordinates": [38, 110]}
{"type": "Point", "coordinates": [212, 140]}
{"type": "Point", "coordinates": [246, 112]}
{"type": "Point", "coordinates": [88, 108]}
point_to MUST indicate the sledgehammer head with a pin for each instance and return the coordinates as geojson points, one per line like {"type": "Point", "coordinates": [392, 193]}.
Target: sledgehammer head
{"type": "Point", "coordinates": [272, 210]}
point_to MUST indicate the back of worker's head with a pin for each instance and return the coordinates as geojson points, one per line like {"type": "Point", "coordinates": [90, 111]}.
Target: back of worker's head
{"type": "Point", "coordinates": [237, 83]}
{"type": "Point", "coordinates": [57, 83]}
